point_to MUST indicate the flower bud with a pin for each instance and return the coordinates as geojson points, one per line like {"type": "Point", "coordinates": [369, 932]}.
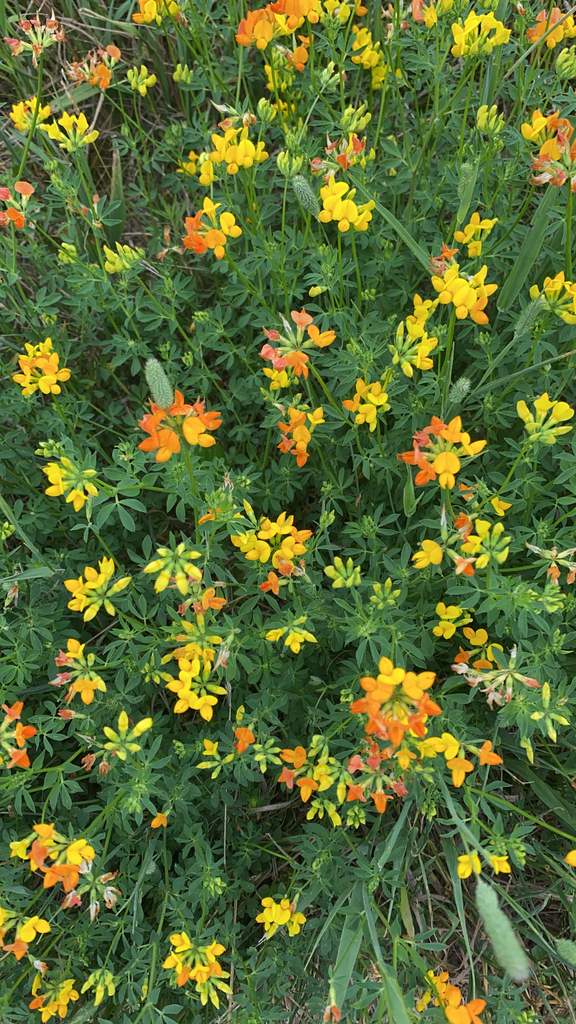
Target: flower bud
{"type": "Point", "coordinates": [289, 165]}
{"type": "Point", "coordinates": [266, 110]}
{"type": "Point", "coordinates": [183, 75]}
{"type": "Point", "coordinates": [566, 64]}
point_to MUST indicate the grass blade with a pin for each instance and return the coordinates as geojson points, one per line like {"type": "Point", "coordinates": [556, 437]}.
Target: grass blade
{"type": "Point", "coordinates": [528, 250]}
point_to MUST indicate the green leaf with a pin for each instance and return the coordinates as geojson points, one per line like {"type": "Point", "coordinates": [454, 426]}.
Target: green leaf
{"type": "Point", "coordinates": [467, 197]}
{"type": "Point", "coordinates": [392, 993]}
{"type": "Point", "coordinates": [528, 250]}
{"type": "Point", "coordinates": [350, 942]}
{"type": "Point", "coordinates": [394, 223]}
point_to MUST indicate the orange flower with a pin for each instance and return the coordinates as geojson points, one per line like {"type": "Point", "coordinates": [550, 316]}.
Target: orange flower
{"type": "Point", "coordinates": [307, 787]}
{"type": "Point", "coordinates": [272, 583]}
{"type": "Point", "coordinates": [68, 874]}
{"type": "Point", "coordinates": [297, 756]}
{"type": "Point", "coordinates": [17, 947]}
{"type": "Point", "coordinates": [201, 238]}
{"type": "Point", "coordinates": [160, 819]}
{"type": "Point", "coordinates": [459, 767]}
{"type": "Point", "coordinates": [355, 792]}
{"type": "Point", "coordinates": [209, 600]}
{"type": "Point", "coordinates": [180, 420]}
{"type": "Point", "coordinates": [380, 801]}
{"type": "Point", "coordinates": [486, 755]}
{"type": "Point", "coordinates": [298, 360]}
{"type": "Point", "coordinates": [245, 737]}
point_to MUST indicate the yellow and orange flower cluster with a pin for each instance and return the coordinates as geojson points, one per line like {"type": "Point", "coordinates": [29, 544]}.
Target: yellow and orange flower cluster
{"type": "Point", "coordinates": [288, 349]}
{"type": "Point", "coordinates": [190, 961]}
{"type": "Point", "coordinates": [167, 427]}
{"type": "Point", "coordinates": [66, 859]}
{"type": "Point", "coordinates": [369, 400]}
{"type": "Point", "coordinates": [200, 238]}
{"type": "Point", "coordinates": [548, 19]}
{"type": "Point", "coordinates": [13, 736]}
{"type": "Point", "coordinates": [234, 149]}
{"type": "Point", "coordinates": [301, 432]}
{"type": "Point", "coordinates": [396, 702]}
{"type": "Point", "coordinates": [40, 369]}
{"type": "Point", "coordinates": [282, 18]}
{"type": "Point", "coordinates": [79, 671]}
{"type": "Point", "coordinates": [278, 540]}
{"type": "Point", "coordinates": [96, 68]}
{"type": "Point", "coordinates": [27, 929]}
{"type": "Point", "coordinates": [446, 445]}
{"type": "Point", "coordinates": [449, 997]}
{"type": "Point", "coordinates": [55, 998]}
{"type": "Point", "coordinates": [89, 595]}
{"type": "Point", "coordinates": [469, 296]}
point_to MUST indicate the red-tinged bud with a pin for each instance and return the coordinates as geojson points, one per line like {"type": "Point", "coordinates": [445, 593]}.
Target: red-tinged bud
{"type": "Point", "coordinates": [88, 761]}
{"type": "Point", "coordinates": [5, 192]}
{"type": "Point", "coordinates": [67, 714]}
{"type": "Point", "coordinates": [104, 768]}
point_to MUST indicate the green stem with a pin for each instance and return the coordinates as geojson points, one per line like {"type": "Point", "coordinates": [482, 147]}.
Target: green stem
{"type": "Point", "coordinates": [34, 116]}
{"type": "Point", "coordinates": [568, 261]}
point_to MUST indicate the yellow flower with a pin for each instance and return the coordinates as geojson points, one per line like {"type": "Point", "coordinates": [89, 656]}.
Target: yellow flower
{"type": "Point", "coordinates": [189, 166]}
{"type": "Point", "coordinates": [468, 864]}
{"type": "Point", "coordinates": [451, 745]}
{"type": "Point", "coordinates": [67, 478]}
{"type": "Point", "coordinates": [174, 564]}
{"type": "Point", "coordinates": [32, 927]}
{"type": "Point", "coordinates": [473, 38]}
{"type": "Point", "coordinates": [338, 205]}
{"type": "Point", "coordinates": [541, 428]}
{"type": "Point", "coordinates": [473, 233]}
{"type": "Point", "coordinates": [90, 595]}
{"type": "Point", "coordinates": [22, 114]}
{"type": "Point", "coordinates": [570, 858]}
{"type": "Point", "coordinates": [500, 507]}
{"type": "Point", "coordinates": [430, 554]}
{"type": "Point", "coordinates": [155, 10]}
{"type": "Point", "coordinates": [75, 135]}
{"type": "Point", "coordinates": [500, 865]}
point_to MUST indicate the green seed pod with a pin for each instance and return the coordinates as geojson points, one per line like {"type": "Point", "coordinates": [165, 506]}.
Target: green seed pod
{"type": "Point", "coordinates": [459, 390]}
{"type": "Point", "coordinates": [567, 950]}
{"type": "Point", "coordinates": [505, 942]}
{"type": "Point", "coordinates": [160, 387]}
{"type": "Point", "coordinates": [306, 195]}
{"type": "Point", "coordinates": [466, 173]}
{"type": "Point", "coordinates": [408, 497]}
{"type": "Point", "coordinates": [528, 317]}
